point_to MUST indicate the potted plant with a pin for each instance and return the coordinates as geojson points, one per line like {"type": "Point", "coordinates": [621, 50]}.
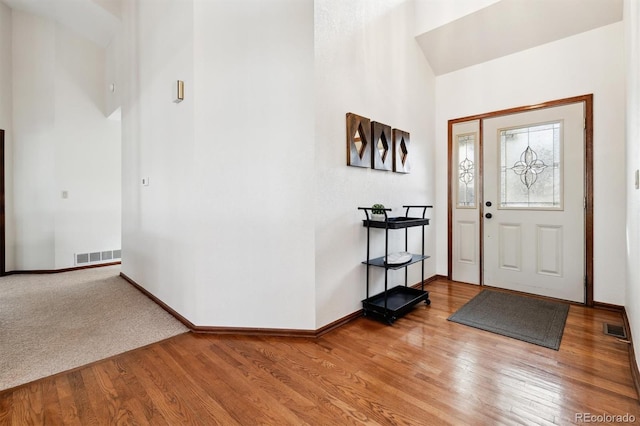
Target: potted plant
{"type": "Point", "coordinates": [377, 212]}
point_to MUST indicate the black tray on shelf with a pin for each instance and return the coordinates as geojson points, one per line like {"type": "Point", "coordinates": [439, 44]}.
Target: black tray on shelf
{"type": "Point", "coordinates": [400, 300]}
{"type": "Point", "coordinates": [379, 261]}
{"type": "Point", "coordinates": [395, 222]}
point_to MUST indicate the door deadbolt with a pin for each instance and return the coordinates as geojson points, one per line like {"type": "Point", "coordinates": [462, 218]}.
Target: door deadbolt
{"type": "Point", "coordinates": [488, 215]}
{"type": "Point", "coordinates": [488, 203]}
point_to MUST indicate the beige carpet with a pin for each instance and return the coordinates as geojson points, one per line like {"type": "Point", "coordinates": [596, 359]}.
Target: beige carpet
{"type": "Point", "coordinates": [55, 322]}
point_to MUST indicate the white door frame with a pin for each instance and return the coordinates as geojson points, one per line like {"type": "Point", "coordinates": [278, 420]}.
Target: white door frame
{"type": "Point", "coordinates": [587, 100]}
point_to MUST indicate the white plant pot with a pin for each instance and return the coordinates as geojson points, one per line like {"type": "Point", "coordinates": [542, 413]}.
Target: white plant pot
{"type": "Point", "coordinates": [378, 217]}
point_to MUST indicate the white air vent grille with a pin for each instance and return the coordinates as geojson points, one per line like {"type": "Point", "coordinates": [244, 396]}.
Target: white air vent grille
{"type": "Point", "coordinates": [97, 257]}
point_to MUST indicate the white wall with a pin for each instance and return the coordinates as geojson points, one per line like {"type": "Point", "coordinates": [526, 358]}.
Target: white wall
{"type": "Point", "coordinates": [632, 46]}
{"type": "Point", "coordinates": [113, 79]}
{"type": "Point", "coordinates": [63, 142]}
{"type": "Point", "coordinates": [367, 62]}
{"type": "Point", "coordinates": [87, 153]}
{"type": "Point", "coordinates": [5, 66]}
{"type": "Point", "coordinates": [224, 232]}
{"type": "Point", "coordinates": [157, 143]}
{"type": "Point", "coordinates": [591, 62]}
{"type": "Point", "coordinates": [33, 118]}
{"type": "Point", "coordinates": [254, 162]}
{"type": "Point", "coordinates": [114, 7]}
{"type": "Point", "coordinates": [431, 14]}
{"type": "Point", "coordinates": [250, 218]}
{"type": "Point", "coordinates": [6, 123]}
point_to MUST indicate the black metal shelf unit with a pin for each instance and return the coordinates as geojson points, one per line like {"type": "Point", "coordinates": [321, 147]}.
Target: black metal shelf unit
{"type": "Point", "coordinates": [393, 303]}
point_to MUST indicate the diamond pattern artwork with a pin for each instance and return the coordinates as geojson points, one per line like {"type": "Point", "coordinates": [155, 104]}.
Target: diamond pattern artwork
{"type": "Point", "coordinates": [358, 141]}
{"type": "Point", "coordinates": [376, 145]}
{"type": "Point", "coordinates": [401, 144]}
{"type": "Point", "coordinates": [382, 158]}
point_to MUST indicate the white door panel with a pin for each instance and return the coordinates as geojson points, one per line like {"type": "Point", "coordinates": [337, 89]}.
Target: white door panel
{"type": "Point", "coordinates": [549, 245]}
{"type": "Point", "coordinates": [509, 246]}
{"type": "Point", "coordinates": [467, 242]}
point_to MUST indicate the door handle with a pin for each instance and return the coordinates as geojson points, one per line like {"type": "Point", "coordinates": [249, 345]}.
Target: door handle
{"type": "Point", "coordinates": [488, 215]}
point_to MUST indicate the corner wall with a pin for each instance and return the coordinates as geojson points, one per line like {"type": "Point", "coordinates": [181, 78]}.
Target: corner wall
{"type": "Point", "coordinates": [367, 62]}
{"type": "Point", "coordinates": [250, 218]}
{"type": "Point", "coordinates": [591, 62]}
{"type": "Point", "coordinates": [158, 145]}
{"type": "Point", "coordinates": [632, 46]}
{"type": "Point", "coordinates": [224, 232]}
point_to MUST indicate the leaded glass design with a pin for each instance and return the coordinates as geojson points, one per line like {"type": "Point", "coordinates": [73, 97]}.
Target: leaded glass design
{"type": "Point", "coordinates": [467, 170]}
{"type": "Point", "coordinates": [530, 167]}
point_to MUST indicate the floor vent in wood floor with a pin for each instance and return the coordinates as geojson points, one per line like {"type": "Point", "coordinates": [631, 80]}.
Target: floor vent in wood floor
{"type": "Point", "coordinates": [615, 331]}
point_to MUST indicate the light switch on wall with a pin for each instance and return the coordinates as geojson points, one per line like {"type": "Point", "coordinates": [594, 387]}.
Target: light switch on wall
{"type": "Point", "coordinates": [145, 181]}
{"type": "Point", "coordinates": [637, 179]}
{"type": "Point", "coordinates": [65, 194]}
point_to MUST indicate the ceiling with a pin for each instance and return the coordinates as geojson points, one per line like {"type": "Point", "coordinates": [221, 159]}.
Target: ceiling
{"type": "Point", "coordinates": [500, 29]}
{"type": "Point", "coordinates": [96, 20]}
{"type": "Point", "coordinates": [510, 26]}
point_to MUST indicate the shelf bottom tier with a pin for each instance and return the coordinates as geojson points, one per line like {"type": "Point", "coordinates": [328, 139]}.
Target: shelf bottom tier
{"type": "Point", "coordinates": [400, 300]}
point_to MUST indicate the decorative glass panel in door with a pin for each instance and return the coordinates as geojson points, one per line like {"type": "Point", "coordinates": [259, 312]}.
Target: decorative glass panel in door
{"type": "Point", "coordinates": [467, 170]}
{"type": "Point", "coordinates": [530, 167]}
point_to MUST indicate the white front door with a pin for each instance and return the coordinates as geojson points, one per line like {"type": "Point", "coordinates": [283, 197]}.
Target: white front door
{"type": "Point", "coordinates": [533, 195]}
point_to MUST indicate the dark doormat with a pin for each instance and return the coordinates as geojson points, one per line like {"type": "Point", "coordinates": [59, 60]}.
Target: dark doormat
{"type": "Point", "coordinates": [532, 320]}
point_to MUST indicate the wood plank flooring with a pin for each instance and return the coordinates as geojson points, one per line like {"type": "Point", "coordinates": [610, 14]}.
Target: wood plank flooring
{"type": "Point", "coordinates": [422, 370]}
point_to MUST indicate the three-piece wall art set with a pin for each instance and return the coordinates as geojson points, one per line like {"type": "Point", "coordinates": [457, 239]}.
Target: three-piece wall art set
{"type": "Point", "coordinates": [376, 145]}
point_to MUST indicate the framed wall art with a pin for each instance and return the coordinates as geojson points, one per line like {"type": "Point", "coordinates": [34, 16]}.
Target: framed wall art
{"type": "Point", "coordinates": [401, 151]}
{"type": "Point", "coordinates": [382, 149]}
{"type": "Point", "coordinates": [358, 141]}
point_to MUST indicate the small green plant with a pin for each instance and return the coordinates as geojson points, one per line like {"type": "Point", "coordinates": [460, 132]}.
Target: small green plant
{"type": "Point", "coordinates": [377, 209]}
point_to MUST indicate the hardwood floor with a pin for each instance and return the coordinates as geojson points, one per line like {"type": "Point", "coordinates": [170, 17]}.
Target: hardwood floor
{"type": "Point", "coordinates": [422, 370]}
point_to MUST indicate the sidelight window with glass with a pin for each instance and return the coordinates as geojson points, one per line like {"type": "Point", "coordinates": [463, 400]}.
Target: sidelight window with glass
{"type": "Point", "coordinates": [467, 170]}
